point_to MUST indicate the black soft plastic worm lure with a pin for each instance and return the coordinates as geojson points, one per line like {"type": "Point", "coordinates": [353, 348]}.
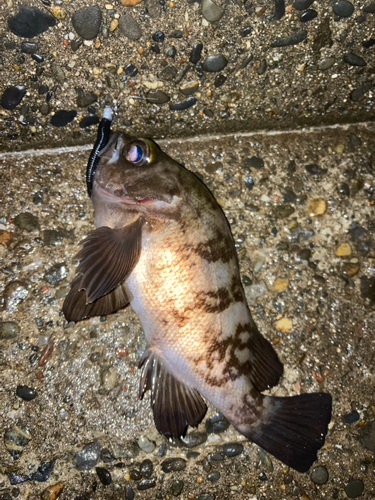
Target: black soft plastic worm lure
{"type": "Point", "coordinates": [104, 130]}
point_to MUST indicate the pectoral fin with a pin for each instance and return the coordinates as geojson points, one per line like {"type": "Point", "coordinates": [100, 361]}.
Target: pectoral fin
{"type": "Point", "coordinates": [174, 404]}
{"type": "Point", "coordinates": [108, 257]}
{"type": "Point", "coordinates": [75, 307]}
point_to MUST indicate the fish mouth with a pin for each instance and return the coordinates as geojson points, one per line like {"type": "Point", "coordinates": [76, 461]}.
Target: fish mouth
{"type": "Point", "coordinates": [123, 199]}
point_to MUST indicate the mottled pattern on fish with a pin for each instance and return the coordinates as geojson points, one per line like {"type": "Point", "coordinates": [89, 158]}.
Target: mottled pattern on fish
{"type": "Point", "coordinates": [179, 271]}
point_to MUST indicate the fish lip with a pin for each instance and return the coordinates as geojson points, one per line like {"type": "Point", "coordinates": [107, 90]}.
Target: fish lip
{"type": "Point", "coordinates": [125, 200]}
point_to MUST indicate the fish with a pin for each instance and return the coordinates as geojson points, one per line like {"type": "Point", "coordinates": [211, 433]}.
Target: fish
{"type": "Point", "coordinates": [163, 245]}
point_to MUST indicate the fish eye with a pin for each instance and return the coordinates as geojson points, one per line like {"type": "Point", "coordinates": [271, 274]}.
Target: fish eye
{"type": "Point", "coordinates": [139, 152]}
{"type": "Point", "coordinates": [135, 153]}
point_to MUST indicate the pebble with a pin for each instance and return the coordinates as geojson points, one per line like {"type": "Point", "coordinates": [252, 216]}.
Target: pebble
{"type": "Point", "coordinates": [302, 4]}
{"type": "Point", "coordinates": [129, 450]}
{"type": "Point", "coordinates": [146, 484]}
{"type": "Point", "coordinates": [177, 34]}
{"type": "Point", "coordinates": [43, 89]}
{"type": "Point", "coordinates": [351, 417]}
{"type": "Point", "coordinates": [196, 53]}
{"type": "Point", "coordinates": [130, 3]}
{"type": "Point", "coordinates": [155, 96]}
{"type": "Point", "coordinates": [368, 43]}
{"type": "Point", "coordinates": [168, 73]}
{"type": "Point", "coordinates": [211, 12]}
{"type": "Point", "coordinates": [360, 91]}
{"type": "Point", "coordinates": [38, 58]}
{"type": "Point", "coordinates": [130, 70]}
{"type": "Point", "coordinates": [219, 80]}
{"type": "Point", "coordinates": [343, 8]}
{"type": "Point", "coordinates": [14, 293]}
{"type": "Point", "coordinates": [262, 67]}
{"type": "Point", "coordinates": [193, 439]}
{"type": "Point", "coordinates": [290, 40]}
{"type": "Point", "coordinates": [16, 439]}
{"type": "Point", "coordinates": [254, 162]}
{"type": "Point", "coordinates": [232, 449]}
{"type": "Point", "coordinates": [319, 475]}
{"type": "Point", "coordinates": [216, 423]}
{"type": "Point", "coordinates": [280, 284]}
{"type": "Point", "coordinates": [12, 96]}
{"type": "Point", "coordinates": [25, 392]}
{"type": "Point", "coordinates": [182, 105]}
{"type": "Point", "coordinates": [326, 63]}
{"type": "Point", "coordinates": [86, 21]}
{"type": "Point", "coordinates": [213, 476]}
{"type": "Point", "coordinates": [170, 51]}
{"type": "Point", "coordinates": [88, 121]}
{"type": "Point", "coordinates": [108, 378]}
{"type": "Point", "coordinates": [177, 487]}
{"type": "Point", "coordinates": [129, 27]}
{"type": "Point", "coordinates": [29, 47]}
{"type": "Point", "coordinates": [158, 36]}
{"type": "Point", "coordinates": [343, 250]}
{"type": "Point", "coordinates": [283, 211]}
{"type": "Point", "coordinates": [246, 60]}
{"type": "Point", "coordinates": [279, 9]}
{"type": "Point", "coordinates": [75, 44]}
{"type": "Point", "coordinates": [87, 457]}
{"type": "Point", "coordinates": [30, 22]}
{"type": "Point", "coordinates": [27, 222]}
{"type": "Point", "coordinates": [56, 273]}
{"type": "Point", "coordinates": [104, 475]}
{"type": "Point", "coordinates": [146, 445]}
{"type": "Point", "coordinates": [85, 99]}
{"type": "Point", "coordinates": [260, 9]}
{"type": "Point", "coordinates": [9, 330]}
{"type": "Point", "coordinates": [316, 207]}
{"type": "Point", "coordinates": [63, 117]}
{"type": "Point", "coordinates": [146, 468]}
{"type": "Point", "coordinates": [354, 60]}
{"type": "Point", "coordinates": [173, 465]}
{"type": "Point", "coordinates": [354, 488]}
{"type": "Point", "coordinates": [214, 64]}
{"type": "Point", "coordinates": [367, 435]}
{"type": "Point", "coordinates": [283, 325]}
{"type": "Point", "coordinates": [189, 87]}
{"type": "Point", "coordinates": [370, 8]}
{"type": "Point", "coordinates": [58, 73]}
{"type": "Point", "coordinates": [265, 459]}
{"type": "Point", "coordinates": [54, 236]}
{"type": "Point", "coordinates": [206, 496]}
{"type": "Point", "coordinates": [44, 108]}
{"type": "Point", "coordinates": [308, 15]}
{"type": "Point", "coordinates": [106, 455]}
{"type": "Point", "coordinates": [129, 492]}
{"type": "Point", "coordinates": [350, 269]}
{"type": "Point", "coordinates": [53, 491]}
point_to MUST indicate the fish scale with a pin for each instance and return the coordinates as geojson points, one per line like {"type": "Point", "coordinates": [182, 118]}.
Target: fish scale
{"type": "Point", "coordinates": [163, 245]}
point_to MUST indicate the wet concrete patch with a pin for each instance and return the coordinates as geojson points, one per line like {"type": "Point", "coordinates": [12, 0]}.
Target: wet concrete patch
{"type": "Point", "coordinates": [304, 281]}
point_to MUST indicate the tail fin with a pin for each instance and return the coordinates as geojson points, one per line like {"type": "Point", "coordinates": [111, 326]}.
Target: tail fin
{"type": "Point", "coordinates": [295, 429]}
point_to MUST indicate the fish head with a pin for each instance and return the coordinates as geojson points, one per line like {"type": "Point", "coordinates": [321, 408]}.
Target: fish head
{"type": "Point", "coordinates": [134, 175]}
{"type": "Point", "coordinates": [135, 169]}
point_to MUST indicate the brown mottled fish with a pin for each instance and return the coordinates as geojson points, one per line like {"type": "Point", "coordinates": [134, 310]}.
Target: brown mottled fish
{"type": "Point", "coordinates": [163, 245]}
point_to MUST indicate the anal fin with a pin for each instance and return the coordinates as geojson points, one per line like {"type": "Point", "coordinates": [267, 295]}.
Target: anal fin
{"type": "Point", "coordinates": [174, 404]}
